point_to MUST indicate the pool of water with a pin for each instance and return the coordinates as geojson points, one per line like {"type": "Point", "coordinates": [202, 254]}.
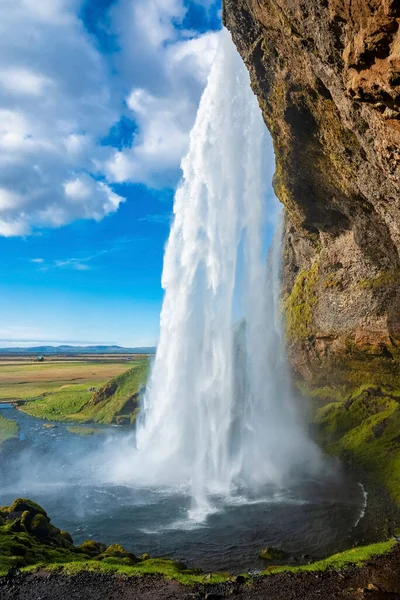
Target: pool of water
{"type": "Point", "coordinates": [60, 470]}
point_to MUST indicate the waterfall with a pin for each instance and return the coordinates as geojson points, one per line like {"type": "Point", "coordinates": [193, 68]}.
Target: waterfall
{"type": "Point", "coordinates": [218, 412]}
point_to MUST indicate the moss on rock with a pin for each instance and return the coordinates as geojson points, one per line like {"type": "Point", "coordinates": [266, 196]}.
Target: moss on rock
{"type": "Point", "coordinates": [364, 428]}
{"type": "Point", "coordinates": [299, 305]}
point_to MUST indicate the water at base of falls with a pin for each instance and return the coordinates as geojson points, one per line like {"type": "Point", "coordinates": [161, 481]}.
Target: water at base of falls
{"type": "Point", "coordinates": [72, 477]}
{"type": "Point", "coordinates": [218, 413]}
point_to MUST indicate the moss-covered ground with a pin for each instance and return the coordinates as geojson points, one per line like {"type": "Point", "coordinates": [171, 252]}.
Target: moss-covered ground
{"type": "Point", "coordinates": [355, 556]}
{"type": "Point", "coordinates": [363, 428]}
{"type": "Point", "coordinates": [74, 402]}
{"type": "Point", "coordinates": [8, 430]}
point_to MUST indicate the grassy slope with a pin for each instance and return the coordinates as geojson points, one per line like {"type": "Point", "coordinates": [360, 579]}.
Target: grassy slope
{"type": "Point", "coordinates": [364, 428]}
{"type": "Point", "coordinates": [8, 429]}
{"type": "Point", "coordinates": [120, 404]}
{"type": "Point", "coordinates": [73, 403]}
{"type": "Point", "coordinates": [355, 556]}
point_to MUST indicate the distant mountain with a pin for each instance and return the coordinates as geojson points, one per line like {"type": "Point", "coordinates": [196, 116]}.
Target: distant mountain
{"type": "Point", "coordinates": [77, 350]}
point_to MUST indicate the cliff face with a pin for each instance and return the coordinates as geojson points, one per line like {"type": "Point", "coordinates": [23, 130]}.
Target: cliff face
{"type": "Point", "coordinates": [327, 76]}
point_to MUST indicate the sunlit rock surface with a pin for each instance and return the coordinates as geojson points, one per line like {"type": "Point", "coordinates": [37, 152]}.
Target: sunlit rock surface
{"type": "Point", "coordinates": [327, 76]}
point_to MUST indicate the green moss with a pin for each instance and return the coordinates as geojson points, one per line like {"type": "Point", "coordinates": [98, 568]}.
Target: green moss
{"type": "Point", "coordinates": [356, 556]}
{"type": "Point", "coordinates": [299, 305]}
{"type": "Point", "coordinates": [272, 554]}
{"type": "Point", "coordinates": [8, 430]}
{"type": "Point", "coordinates": [333, 281]}
{"type": "Point", "coordinates": [365, 429]}
{"type": "Point", "coordinates": [384, 279]}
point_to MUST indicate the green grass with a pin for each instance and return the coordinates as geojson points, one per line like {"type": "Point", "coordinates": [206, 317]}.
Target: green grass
{"type": "Point", "coordinates": [8, 429]}
{"type": "Point", "coordinates": [60, 405]}
{"type": "Point", "coordinates": [122, 405]}
{"type": "Point", "coordinates": [154, 566]}
{"type": "Point", "coordinates": [356, 556]}
{"type": "Point", "coordinates": [74, 403]}
{"type": "Point", "coordinates": [365, 429]}
{"type": "Point", "coordinates": [30, 380]}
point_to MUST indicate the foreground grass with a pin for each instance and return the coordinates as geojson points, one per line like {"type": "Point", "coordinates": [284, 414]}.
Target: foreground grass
{"type": "Point", "coordinates": [115, 402]}
{"type": "Point", "coordinates": [8, 430]}
{"type": "Point", "coordinates": [355, 556]}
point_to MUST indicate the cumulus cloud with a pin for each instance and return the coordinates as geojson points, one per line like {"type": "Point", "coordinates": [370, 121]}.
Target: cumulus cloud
{"type": "Point", "coordinates": [60, 97]}
{"type": "Point", "coordinates": [164, 103]}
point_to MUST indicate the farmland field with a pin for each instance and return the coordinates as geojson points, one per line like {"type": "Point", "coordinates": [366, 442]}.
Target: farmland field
{"type": "Point", "coordinates": [24, 378]}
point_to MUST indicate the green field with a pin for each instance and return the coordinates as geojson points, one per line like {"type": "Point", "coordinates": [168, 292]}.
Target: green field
{"type": "Point", "coordinates": [8, 430]}
{"type": "Point", "coordinates": [60, 391]}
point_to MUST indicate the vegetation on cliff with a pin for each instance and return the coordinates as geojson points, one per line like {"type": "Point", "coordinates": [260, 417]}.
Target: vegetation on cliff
{"type": "Point", "coordinates": [116, 402]}
{"type": "Point", "coordinates": [364, 429]}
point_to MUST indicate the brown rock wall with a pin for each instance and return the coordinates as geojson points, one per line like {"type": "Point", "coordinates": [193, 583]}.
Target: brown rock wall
{"type": "Point", "coordinates": [327, 76]}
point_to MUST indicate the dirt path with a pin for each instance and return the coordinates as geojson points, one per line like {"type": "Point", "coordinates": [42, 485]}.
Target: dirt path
{"type": "Point", "coordinates": [379, 579]}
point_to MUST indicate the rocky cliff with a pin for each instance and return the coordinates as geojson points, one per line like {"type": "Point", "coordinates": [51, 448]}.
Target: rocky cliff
{"type": "Point", "coordinates": [327, 76]}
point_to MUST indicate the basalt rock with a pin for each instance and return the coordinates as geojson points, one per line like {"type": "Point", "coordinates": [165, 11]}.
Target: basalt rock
{"type": "Point", "coordinates": [327, 76]}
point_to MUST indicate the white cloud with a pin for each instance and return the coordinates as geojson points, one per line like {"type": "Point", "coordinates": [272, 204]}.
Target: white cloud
{"type": "Point", "coordinates": [60, 97]}
{"type": "Point", "coordinates": [21, 81]}
{"type": "Point", "coordinates": [72, 263]}
{"type": "Point", "coordinates": [38, 261]}
{"type": "Point", "coordinates": [164, 105]}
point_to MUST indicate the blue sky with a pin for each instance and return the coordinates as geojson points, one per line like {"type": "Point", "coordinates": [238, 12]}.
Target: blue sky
{"type": "Point", "coordinates": [97, 99]}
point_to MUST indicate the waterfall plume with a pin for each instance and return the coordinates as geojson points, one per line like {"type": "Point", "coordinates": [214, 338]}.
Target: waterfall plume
{"type": "Point", "coordinates": [218, 412]}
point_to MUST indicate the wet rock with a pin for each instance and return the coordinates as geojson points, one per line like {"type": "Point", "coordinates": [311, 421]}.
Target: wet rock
{"type": "Point", "coordinates": [118, 551]}
{"type": "Point", "coordinates": [21, 505]}
{"type": "Point", "coordinates": [66, 536]}
{"type": "Point", "coordinates": [40, 526]}
{"type": "Point", "coordinates": [91, 547]}
{"type": "Point", "coordinates": [272, 553]}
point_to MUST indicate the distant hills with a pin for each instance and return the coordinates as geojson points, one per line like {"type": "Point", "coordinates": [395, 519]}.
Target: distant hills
{"type": "Point", "coordinates": [77, 350]}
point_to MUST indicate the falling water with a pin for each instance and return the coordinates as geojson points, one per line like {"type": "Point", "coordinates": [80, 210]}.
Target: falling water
{"type": "Point", "coordinates": [218, 412]}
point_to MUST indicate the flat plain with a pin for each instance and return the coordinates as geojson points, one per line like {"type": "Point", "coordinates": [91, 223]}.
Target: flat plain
{"type": "Point", "coordinates": [25, 378]}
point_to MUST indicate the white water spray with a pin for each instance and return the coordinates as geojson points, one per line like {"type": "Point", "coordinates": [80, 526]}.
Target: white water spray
{"type": "Point", "coordinates": [218, 411]}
